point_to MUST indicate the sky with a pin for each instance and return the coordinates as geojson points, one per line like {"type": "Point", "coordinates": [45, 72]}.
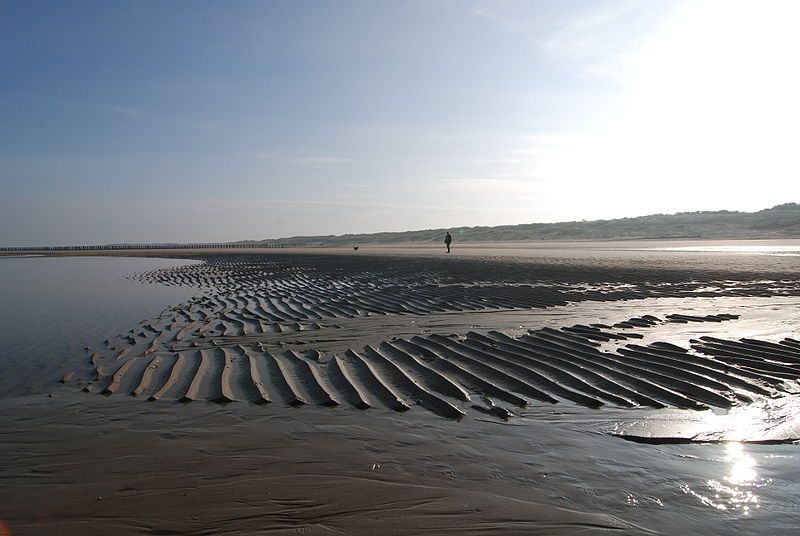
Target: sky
{"type": "Point", "coordinates": [200, 121]}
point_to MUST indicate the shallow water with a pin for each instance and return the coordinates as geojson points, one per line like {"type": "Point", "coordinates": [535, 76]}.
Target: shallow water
{"type": "Point", "coordinates": [727, 488]}
{"type": "Point", "coordinates": [53, 307]}
{"type": "Point", "coordinates": [738, 249]}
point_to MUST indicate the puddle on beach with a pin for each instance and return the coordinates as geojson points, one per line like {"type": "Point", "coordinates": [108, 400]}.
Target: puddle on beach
{"type": "Point", "coordinates": [52, 307]}
{"type": "Point", "coordinates": [726, 488]}
{"type": "Point", "coordinates": [738, 489]}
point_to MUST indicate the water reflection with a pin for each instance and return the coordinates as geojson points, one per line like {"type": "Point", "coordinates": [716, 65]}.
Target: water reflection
{"type": "Point", "coordinates": [742, 464]}
{"type": "Point", "coordinates": [743, 249]}
{"type": "Point", "coordinates": [765, 421]}
{"type": "Point", "coordinates": [737, 489]}
{"type": "Point", "coordinates": [51, 308]}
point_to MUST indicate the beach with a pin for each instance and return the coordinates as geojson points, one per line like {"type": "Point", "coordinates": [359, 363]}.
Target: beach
{"type": "Point", "coordinates": [542, 388]}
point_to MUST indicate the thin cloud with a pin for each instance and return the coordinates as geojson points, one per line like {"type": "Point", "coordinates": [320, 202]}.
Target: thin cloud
{"type": "Point", "coordinates": [495, 161]}
{"type": "Point", "coordinates": [586, 35]}
{"type": "Point", "coordinates": [224, 204]}
{"type": "Point", "coordinates": [501, 186]}
{"type": "Point", "coordinates": [320, 161]}
{"type": "Point", "coordinates": [599, 43]}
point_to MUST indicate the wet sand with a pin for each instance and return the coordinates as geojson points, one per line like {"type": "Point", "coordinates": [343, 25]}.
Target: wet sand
{"type": "Point", "coordinates": [410, 392]}
{"type": "Point", "coordinates": [680, 254]}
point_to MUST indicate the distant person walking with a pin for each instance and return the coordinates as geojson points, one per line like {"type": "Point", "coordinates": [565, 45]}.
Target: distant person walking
{"type": "Point", "coordinates": [447, 240]}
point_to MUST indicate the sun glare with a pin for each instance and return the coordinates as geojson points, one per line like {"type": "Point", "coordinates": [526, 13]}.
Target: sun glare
{"type": "Point", "coordinates": [738, 489]}
{"type": "Point", "coordinates": [742, 465]}
{"type": "Point", "coordinates": [710, 116]}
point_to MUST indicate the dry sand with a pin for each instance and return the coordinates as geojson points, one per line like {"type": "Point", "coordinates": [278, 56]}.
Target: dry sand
{"type": "Point", "coordinates": [411, 392]}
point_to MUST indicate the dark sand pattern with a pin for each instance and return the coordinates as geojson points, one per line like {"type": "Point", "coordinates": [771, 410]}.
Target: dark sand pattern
{"type": "Point", "coordinates": [378, 395]}
{"type": "Point", "coordinates": [295, 288]}
{"type": "Point", "coordinates": [236, 342]}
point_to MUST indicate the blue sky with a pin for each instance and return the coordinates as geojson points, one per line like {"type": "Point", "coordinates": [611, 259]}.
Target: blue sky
{"type": "Point", "coordinates": [207, 121]}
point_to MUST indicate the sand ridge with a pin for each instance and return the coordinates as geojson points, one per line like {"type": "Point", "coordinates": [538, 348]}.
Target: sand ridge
{"type": "Point", "coordinates": [234, 341]}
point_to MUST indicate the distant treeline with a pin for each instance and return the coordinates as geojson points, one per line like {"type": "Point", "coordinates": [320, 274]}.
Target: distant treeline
{"type": "Point", "coordinates": [781, 221]}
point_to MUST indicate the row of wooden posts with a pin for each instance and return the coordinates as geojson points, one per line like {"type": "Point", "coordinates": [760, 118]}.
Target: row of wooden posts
{"type": "Point", "coordinates": [112, 247]}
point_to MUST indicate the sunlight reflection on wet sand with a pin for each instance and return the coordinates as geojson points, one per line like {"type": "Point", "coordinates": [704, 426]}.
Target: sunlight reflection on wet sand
{"type": "Point", "coordinates": [737, 489]}
{"type": "Point", "coordinates": [763, 421]}
{"type": "Point", "coordinates": [747, 250]}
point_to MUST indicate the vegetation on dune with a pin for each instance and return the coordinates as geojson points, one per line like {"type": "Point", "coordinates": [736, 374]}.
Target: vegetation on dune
{"type": "Point", "coordinates": [781, 221]}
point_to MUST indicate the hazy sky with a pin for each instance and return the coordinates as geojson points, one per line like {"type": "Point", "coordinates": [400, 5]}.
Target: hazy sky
{"type": "Point", "coordinates": [208, 121]}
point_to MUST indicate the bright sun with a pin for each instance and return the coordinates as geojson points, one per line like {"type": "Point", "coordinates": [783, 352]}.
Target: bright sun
{"type": "Point", "coordinates": [711, 116]}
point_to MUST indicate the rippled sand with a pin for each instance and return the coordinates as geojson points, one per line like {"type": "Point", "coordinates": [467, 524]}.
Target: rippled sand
{"type": "Point", "coordinates": [420, 394]}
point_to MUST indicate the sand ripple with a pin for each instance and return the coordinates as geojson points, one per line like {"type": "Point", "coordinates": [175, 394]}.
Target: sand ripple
{"type": "Point", "coordinates": [231, 343]}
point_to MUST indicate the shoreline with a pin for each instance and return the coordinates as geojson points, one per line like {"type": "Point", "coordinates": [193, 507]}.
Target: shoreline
{"type": "Point", "coordinates": [468, 247]}
{"type": "Point", "coordinates": [677, 255]}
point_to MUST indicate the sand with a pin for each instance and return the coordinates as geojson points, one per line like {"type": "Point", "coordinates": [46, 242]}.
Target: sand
{"type": "Point", "coordinates": [411, 392]}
